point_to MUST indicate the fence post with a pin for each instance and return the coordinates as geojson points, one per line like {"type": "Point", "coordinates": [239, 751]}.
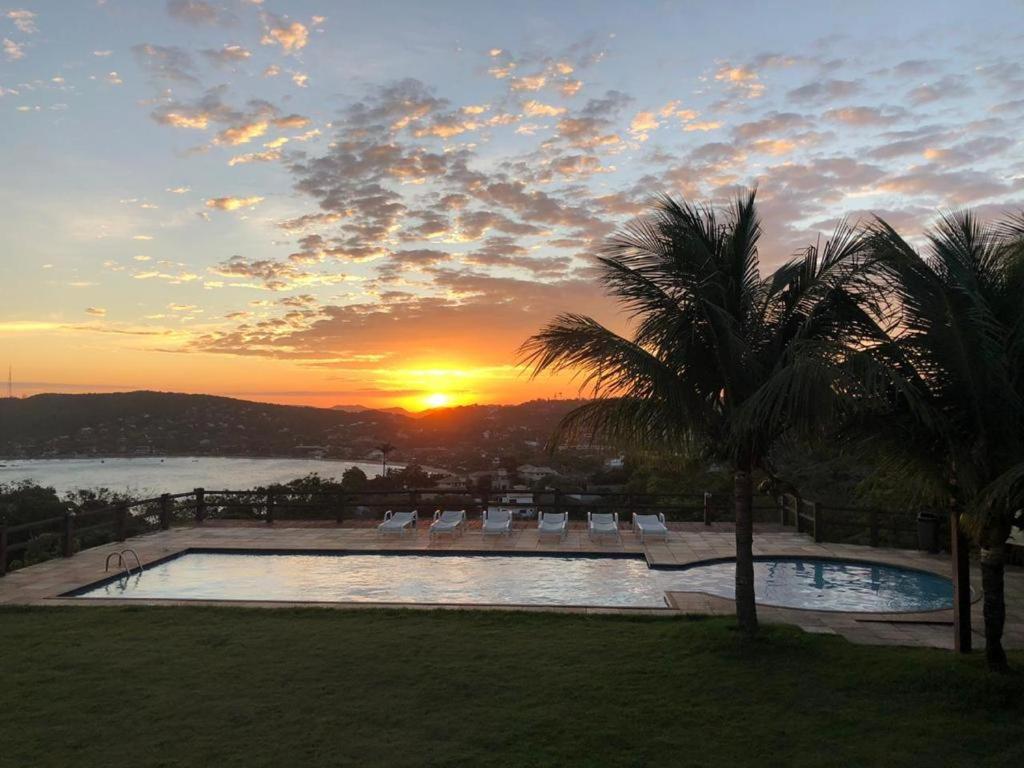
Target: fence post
{"type": "Point", "coordinates": [414, 500]}
{"type": "Point", "coordinates": [200, 495]}
{"type": "Point", "coordinates": [270, 507]}
{"type": "Point", "coordinates": [707, 508]}
{"type": "Point", "coordinates": [781, 502]}
{"type": "Point", "coordinates": [69, 533]}
{"type": "Point", "coordinates": [165, 511]}
{"type": "Point", "coordinates": [873, 521]}
{"type": "Point", "coordinates": [121, 522]}
{"type": "Point", "coordinates": [3, 546]}
{"type": "Point", "coordinates": [558, 501]}
{"type": "Point", "coordinates": [341, 508]}
{"type": "Point", "coordinates": [816, 514]}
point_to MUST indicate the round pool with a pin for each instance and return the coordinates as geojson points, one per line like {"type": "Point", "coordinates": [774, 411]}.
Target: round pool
{"type": "Point", "coordinates": [827, 585]}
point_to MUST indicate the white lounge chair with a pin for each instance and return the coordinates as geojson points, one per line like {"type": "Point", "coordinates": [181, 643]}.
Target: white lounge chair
{"type": "Point", "coordinates": [603, 524]}
{"type": "Point", "coordinates": [498, 521]}
{"type": "Point", "coordinates": [448, 521]}
{"type": "Point", "coordinates": [552, 524]}
{"type": "Point", "coordinates": [650, 525]}
{"type": "Point", "coordinates": [397, 522]}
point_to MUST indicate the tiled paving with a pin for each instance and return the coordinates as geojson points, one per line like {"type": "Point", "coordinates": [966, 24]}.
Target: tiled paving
{"type": "Point", "coordinates": [688, 543]}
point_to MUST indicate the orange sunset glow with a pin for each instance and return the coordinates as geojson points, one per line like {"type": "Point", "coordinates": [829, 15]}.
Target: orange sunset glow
{"type": "Point", "coordinates": [278, 202]}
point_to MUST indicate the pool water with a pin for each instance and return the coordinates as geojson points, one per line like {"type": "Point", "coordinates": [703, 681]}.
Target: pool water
{"type": "Point", "coordinates": [521, 580]}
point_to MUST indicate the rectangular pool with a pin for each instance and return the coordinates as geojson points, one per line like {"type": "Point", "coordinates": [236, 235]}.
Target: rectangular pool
{"type": "Point", "coordinates": [480, 578]}
{"type": "Point", "coordinates": [398, 578]}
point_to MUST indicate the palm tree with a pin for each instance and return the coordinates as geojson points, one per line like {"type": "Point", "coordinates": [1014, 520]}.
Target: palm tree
{"type": "Point", "coordinates": [721, 362]}
{"type": "Point", "coordinates": [957, 391]}
{"type": "Point", "coordinates": [385, 449]}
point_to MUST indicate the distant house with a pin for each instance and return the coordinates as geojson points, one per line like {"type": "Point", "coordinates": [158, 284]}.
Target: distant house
{"type": "Point", "coordinates": [452, 482]}
{"type": "Point", "coordinates": [534, 474]}
{"type": "Point", "coordinates": [517, 504]}
{"type": "Point", "coordinates": [615, 463]}
{"type": "Point", "coordinates": [500, 480]}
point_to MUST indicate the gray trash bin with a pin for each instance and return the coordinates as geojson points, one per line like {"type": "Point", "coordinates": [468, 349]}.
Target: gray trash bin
{"type": "Point", "coordinates": [928, 532]}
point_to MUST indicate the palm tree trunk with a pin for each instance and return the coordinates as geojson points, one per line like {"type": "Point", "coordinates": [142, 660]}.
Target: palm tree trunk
{"type": "Point", "coordinates": [993, 558]}
{"type": "Point", "coordinates": [746, 609]}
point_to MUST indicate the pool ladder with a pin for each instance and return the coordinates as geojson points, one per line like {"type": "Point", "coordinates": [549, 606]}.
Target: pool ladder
{"type": "Point", "coordinates": [127, 570]}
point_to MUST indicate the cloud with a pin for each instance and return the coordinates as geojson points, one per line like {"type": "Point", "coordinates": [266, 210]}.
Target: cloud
{"type": "Point", "coordinates": [24, 20]}
{"type": "Point", "coordinates": [534, 108]}
{"type": "Point", "coordinates": [96, 311]}
{"type": "Point", "coordinates": [165, 62]}
{"type": "Point", "coordinates": [412, 328]}
{"type": "Point", "coordinates": [12, 50]}
{"type": "Point", "coordinates": [241, 134]}
{"type": "Point", "coordinates": [570, 87]}
{"type": "Point", "coordinates": [266, 156]}
{"type": "Point", "coordinates": [866, 116]}
{"type": "Point", "coordinates": [243, 124]}
{"type": "Point", "coordinates": [194, 12]}
{"type": "Point", "coordinates": [227, 55]}
{"type": "Point", "coordinates": [642, 124]}
{"type": "Point", "coordinates": [771, 124]}
{"type": "Point", "coordinates": [969, 152]}
{"type": "Point", "coordinates": [292, 37]}
{"type": "Point", "coordinates": [528, 83]}
{"type": "Point", "coordinates": [290, 121]}
{"type": "Point", "coordinates": [272, 275]}
{"type": "Point", "coordinates": [950, 86]}
{"type": "Point", "coordinates": [741, 80]}
{"type": "Point", "coordinates": [825, 90]}
{"type": "Point", "coordinates": [915, 68]}
{"type": "Point", "coordinates": [505, 252]}
{"type": "Point", "coordinates": [309, 220]}
{"type": "Point", "coordinates": [948, 188]}
{"type": "Point", "coordinates": [233, 203]}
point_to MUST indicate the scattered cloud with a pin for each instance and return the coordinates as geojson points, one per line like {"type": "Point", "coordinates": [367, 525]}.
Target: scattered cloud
{"type": "Point", "coordinates": [233, 203]}
{"type": "Point", "coordinates": [24, 20]}
{"type": "Point", "coordinates": [291, 36]}
{"type": "Point", "coordinates": [165, 62]}
{"type": "Point", "coordinates": [227, 55]}
{"type": "Point", "coordinates": [198, 13]}
{"type": "Point", "coordinates": [12, 50]}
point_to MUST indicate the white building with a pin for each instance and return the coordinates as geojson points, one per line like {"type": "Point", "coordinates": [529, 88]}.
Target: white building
{"type": "Point", "coordinates": [533, 474]}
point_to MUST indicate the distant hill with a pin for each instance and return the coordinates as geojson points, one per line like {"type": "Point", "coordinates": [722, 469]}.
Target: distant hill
{"type": "Point", "coordinates": [166, 423]}
{"type": "Point", "coordinates": [172, 423]}
{"type": "Point", "coordinates": [364, 408]}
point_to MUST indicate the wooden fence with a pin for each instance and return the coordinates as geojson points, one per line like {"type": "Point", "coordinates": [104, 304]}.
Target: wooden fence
{"type": "Point", "coordinates": [64, 535]}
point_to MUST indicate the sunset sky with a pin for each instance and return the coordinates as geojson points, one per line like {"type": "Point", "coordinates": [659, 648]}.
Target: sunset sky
{"type": "Point", "coordinates": [376, 203]}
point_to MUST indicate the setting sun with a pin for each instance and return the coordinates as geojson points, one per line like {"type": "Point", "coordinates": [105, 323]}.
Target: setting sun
{"type": "Point", "coordinates": [437, 400]}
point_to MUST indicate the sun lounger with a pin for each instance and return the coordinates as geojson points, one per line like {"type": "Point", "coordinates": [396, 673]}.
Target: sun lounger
{"type": "Point", "coordinates": [603, 524]}
{"type": "Point", "coordinates": [448, 521]}
{"type": "Point", "coordinates": [650, 525]}
{"type": "Point", "coordinates": [497, 521]}
{"type": "Point", "coordinates": [552, 524]}
{"type": "Point", "coordinates": [397, 522]}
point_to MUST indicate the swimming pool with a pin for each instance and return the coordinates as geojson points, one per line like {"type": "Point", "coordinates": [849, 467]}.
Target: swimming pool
{"type": "Point", "coordinates": [503, 579]}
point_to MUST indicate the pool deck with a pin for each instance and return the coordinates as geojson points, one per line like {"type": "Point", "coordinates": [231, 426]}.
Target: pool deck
{"type": "Point", "coordinates": [43, 584]}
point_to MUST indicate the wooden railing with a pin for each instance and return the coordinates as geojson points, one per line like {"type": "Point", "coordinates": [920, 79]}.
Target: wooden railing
{"type": "Point", "coordinates": [850, 525]}
{"type": "Point", "coordinates": [64, 535]}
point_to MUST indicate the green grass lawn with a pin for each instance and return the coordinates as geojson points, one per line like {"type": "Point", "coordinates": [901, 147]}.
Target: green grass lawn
{"type": "Point", "coordinates": [238, 687]}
